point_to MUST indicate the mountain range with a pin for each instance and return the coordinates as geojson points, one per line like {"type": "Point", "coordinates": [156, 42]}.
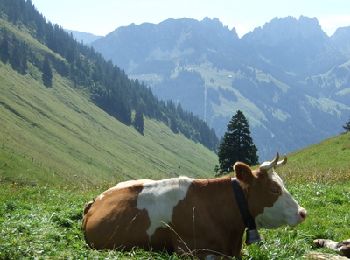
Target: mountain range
{"type": "Point", "coordinates": [84, 37]}
{"type": "Point", "coordinates": [289, 78]}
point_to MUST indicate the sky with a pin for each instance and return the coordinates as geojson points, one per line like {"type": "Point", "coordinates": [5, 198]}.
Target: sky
{"type": "Point", "coordinates": [103, 16]}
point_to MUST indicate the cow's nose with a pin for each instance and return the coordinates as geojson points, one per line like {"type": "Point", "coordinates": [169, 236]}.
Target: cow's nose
{"type": "Point", "coordinates": [302, 214]}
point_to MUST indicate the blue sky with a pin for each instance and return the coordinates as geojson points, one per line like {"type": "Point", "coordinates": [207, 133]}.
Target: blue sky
{"type": "Point", "coordinates": [103, 16]}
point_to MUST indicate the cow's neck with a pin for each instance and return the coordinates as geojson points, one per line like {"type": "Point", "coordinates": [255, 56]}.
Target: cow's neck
{"type": "Point", "coordinates": [248, 220]}
{"type": "Point", "coordinates": [241, 199]}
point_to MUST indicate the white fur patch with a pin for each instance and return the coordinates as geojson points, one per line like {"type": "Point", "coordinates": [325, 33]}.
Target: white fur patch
{"type": "Point", "coordinates": [122, 185]}
{"type": "Point", "coordinates": [160, 197]}
{"type": "Point", "coordinates": [283, 212]}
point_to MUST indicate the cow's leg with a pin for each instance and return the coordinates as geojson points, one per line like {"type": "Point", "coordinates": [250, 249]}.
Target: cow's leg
{"type": "Point", "coordinates": [345, 248]}
{"type": "Point", "coordinates": [342, 247]}
{"type": "Point", "coordinates": [326, 243]}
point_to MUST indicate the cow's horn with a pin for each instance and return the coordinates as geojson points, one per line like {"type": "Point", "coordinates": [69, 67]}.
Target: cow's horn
{"type": "Point", "coordinates": [275, 160]}
{"type": "Point", "coordinates": [268, 165]}
{"type": "Point", "coordinates": [282, 162]}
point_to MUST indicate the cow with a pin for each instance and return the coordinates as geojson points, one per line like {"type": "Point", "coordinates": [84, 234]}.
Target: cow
{"type": "Point", "coordinates": [191, 217]}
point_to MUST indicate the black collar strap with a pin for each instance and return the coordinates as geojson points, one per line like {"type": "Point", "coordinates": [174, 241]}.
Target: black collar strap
{"type": "Point", "coordinates": [248, 220]}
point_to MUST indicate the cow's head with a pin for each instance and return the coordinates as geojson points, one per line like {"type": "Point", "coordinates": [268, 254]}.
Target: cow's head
{"type": "Point", "coordinates": [268, 199]}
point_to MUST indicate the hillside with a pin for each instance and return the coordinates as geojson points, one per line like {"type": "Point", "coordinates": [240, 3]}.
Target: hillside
{"type": "Point", "coordinates": [327, 161]}
{"type": "Point", "coordinates": [57, 135]}
{"type": "Point", "coordinates": [288, 77]}
{"type": "Point", "coordinates": [106, 84]}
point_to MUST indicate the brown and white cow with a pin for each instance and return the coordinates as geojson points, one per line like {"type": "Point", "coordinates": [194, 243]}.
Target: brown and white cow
{"type": "Point", "coordinates": [189, 216]}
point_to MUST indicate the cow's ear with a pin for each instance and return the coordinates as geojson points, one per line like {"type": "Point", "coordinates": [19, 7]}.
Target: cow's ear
{"type": "Point", "coordinates": [243, 173]}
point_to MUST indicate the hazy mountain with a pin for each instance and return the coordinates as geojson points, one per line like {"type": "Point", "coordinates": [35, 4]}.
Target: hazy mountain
{"type": "Point", "coordinates": [288, 76]}
{"type": "Point", "coordinates": [85, 37]}
{"type": "Point", "coordinates": [341, 39]}
{"type": "Point", "coordinates": [297, 46]}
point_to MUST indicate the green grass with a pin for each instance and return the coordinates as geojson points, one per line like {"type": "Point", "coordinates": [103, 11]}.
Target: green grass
{"type": "Point", "coordinates": [45, 222]}
{"type": "Point", "coordinates": [326, 162]}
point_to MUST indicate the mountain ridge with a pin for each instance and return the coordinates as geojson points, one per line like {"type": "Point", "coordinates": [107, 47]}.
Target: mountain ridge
{"type": "Point", "coordinates": [85, 37]}
{"type": "Point", "coordinates": [215, 73]}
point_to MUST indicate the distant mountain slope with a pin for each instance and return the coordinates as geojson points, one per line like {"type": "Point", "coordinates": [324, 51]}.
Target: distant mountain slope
{"type": "Point", "coordinates": [341, 39]}
{"type": "Point", "coordinates": [270, 74]}
{"type": "Point", "coordinates": [84, 37]}
{"type": "Point", "coordinates": [297, 46]}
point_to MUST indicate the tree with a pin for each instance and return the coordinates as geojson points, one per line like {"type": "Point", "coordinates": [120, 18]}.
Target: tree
{"type": "Point", "coordinates": [18, 57]}
{"type": "Point", "coordinates": [4, 49]}
{"type": "Point", "coordinates": [347, 126]}
{"type": "Point", "coordinates": [139, 122]}
{"type": "Point", "coordinates": [47, 73]}
{"type": "Point", "coordinates": [237, 145]}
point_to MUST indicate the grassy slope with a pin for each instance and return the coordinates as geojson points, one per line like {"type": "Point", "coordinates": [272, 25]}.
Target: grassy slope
{"type": "Point", "coordinates": [57, 136]}
{"type": "Point", "coordinates": [328, 161]}
{"type": "Point", "coordinates": [51, 217]}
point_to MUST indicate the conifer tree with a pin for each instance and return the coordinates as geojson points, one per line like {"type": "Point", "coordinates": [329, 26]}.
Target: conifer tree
{"type": "Point", "coordinates": [4, 49]}
{"type": "Point", "coordinates": [139, 122]}
{"type": "Point", "coordinates": [47, 73]}
{"type": "Point", "coordinates": [347, 126]}
{"type": "Point", "coordinates": [237, 144]}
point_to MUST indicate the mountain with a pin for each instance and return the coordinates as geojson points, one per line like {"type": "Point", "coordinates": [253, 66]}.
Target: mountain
{"type": "Point", "coordinates": [84, 37]}
{"type": "Point", "coordinates": [272, 74]}
{"type": "Point", "coordinates": [341, 39]}
{"type": "Point", "coordinates": [79, 129]}
{"type": "Point", "coordinates": [297, 46]}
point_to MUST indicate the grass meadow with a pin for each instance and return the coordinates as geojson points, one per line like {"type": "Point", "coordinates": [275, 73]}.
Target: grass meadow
{"type": "Point", "coordinates": [45, 221]}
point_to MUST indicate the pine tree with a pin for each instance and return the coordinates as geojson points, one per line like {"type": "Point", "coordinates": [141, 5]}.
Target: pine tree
{"type": "Point", "coordinates": [347, 126]}
{"type": "Point", "coordinates": [237, 144]}
{"type": "Point", "coordinates": [47, 73]}
{"type": "Point", "coordinates": [18, 56]}
{"type": "Point", "coordinates": [4, 49]}
{"type": "Point", "coordinates": [139, 122]}
{"type": "Point", "coordinates": [174, 126]}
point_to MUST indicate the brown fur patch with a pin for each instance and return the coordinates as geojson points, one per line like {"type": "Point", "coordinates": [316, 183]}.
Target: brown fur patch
{"type": "Point", "coordinates": [115, 221]}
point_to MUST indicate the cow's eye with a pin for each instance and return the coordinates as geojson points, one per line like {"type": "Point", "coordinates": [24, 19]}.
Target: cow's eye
{"type": "Point", "coordinates": [275, 189]}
